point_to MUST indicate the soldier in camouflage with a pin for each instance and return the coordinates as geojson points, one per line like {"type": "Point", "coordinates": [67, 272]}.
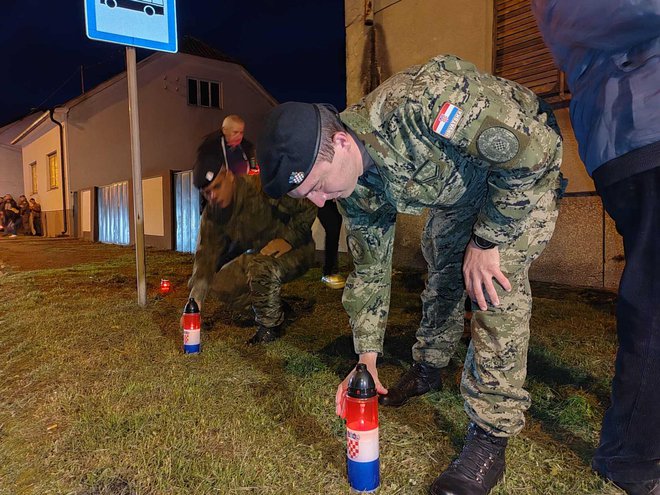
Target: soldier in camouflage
{"type": "Point", "coordinates": [483, 154]}
{"type": "Point", "coordinates": [249, 245]}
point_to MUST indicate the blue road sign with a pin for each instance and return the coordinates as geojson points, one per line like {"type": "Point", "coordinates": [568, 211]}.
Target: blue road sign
{"type": "Point", "coordinates": [141, 23]}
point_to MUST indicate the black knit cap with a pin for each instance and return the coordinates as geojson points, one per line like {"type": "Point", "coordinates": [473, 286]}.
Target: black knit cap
{"type": "Point", "coordinates": [288, 145]}
{"type": "Point", "coordinates": [209, 160]}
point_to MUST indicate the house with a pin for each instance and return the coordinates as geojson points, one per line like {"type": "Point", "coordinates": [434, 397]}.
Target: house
{"type": "Point", "coordinates": [11, 165]}
{"type": "Point", "coordinates": [77, 156]}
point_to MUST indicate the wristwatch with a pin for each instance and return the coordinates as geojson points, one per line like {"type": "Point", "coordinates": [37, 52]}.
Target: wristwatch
{"type": "Point", "coordinates": [482, 243]}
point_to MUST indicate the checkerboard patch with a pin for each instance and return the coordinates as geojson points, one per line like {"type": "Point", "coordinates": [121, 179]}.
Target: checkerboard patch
{"type": "Point", "coordinates": [362, 446]}
{"type": "Point", "coordinates": [353, 448]}
{"type": "Point", "coordinates": [447, 120]}
{"type": "Point", "coordinates": [296, 177]}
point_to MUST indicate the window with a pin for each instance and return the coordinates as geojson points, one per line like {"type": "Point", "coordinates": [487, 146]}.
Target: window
{"type": "Point", "coordinates": [52, 170]}
{"type": "Point", "coordinates": [204, 93]}
{"type": "Point", "coordinates": [33, 175]}
{"type": "Point", "coordinates": [520, 53]}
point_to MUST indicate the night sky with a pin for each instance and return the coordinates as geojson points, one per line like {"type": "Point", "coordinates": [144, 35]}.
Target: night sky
{"type": "Point", "coordinates": [294, 48]}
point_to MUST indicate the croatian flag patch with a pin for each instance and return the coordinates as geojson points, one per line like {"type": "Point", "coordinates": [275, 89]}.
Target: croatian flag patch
{"type": "Point", "coordinates": [447, 120]}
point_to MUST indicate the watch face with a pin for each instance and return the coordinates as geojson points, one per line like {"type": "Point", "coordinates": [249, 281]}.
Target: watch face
{"type": "Point", "coordinates": [482, 243]}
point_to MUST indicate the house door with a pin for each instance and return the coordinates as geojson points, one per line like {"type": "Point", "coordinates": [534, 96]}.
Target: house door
{"type": "Point", "coordinates": [114, 226]}
{"type": "Point", "coordinates": [186, 212]}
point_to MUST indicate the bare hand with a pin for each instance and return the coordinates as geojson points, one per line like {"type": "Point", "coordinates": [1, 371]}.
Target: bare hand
{"type": "Point", "coordinates": [276, 247]}
{"type": "Point", "coordinates": [480, 267]}
{"type": "Point", "coordinates": [368, 358]}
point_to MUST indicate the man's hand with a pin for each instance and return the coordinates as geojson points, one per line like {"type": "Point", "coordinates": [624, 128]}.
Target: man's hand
{"type": "Point", "coordinates": [276, 247]}
{"type": "Point", "coordinates": [480, 267]}
{"type": "Point", "coordinates": [368, 358]}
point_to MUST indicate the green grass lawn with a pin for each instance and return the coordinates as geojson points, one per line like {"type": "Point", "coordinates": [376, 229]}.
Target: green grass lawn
{"type": "Point", "coordinates": [96, 397]}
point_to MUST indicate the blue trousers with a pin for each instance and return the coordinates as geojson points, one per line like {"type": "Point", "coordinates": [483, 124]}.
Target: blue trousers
{"type": "Point", "coordinates": [629, 449]}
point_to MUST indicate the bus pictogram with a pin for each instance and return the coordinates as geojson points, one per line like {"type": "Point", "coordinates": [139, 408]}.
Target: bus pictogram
{"type": "Point", "coordinates": [149, 7]}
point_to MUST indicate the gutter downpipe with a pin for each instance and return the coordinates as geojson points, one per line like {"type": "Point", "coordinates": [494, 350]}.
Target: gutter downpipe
{"type": "Point", "coordinates": [64, 212]}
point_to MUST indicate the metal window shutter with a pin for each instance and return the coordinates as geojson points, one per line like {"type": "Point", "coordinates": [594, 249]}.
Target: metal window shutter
{"type": "Point", "coordinates": [521, 54]}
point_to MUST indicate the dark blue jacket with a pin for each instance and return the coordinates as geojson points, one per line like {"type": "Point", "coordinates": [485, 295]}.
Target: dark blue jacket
{"type": "Point", "coordinates": [610, 51]}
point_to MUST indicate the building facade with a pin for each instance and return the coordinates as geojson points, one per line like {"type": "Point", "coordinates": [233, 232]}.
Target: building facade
{"type": "Point", "coordinates": [498, 36]}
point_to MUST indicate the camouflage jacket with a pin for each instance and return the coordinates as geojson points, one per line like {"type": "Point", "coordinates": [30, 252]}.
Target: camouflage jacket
{"type": "Point", "coordinates": [439, 134]}
{"type": "Point", "coordinates": [251, 222]}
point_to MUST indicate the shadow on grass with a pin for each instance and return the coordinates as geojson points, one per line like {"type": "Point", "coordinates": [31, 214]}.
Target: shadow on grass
{"type": "Point", "coordinates": [545, 367]}
{"type": "Point", "coordinates": [599, 299]}
{"type": "Point", "coordinates": [273, 394]}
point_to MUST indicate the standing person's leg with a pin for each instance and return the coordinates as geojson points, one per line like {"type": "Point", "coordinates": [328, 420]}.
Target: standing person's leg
{"type": "Point", "coordinates": [331, 219]}
{"type": "Point", "coordinates": [496, 363]}
{"type": "Point", "coordinates": [266, 274]}
{"type": "Point", "coordinates": [445, 236]}
{"type": "Point", "coordinates": [629, 450]}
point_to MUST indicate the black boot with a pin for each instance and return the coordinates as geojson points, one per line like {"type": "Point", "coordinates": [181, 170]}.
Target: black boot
{"type": "Point", "coordinates": [265, 335]}
{"type": "Point", "coordinates": [477, 470]}
{"type": "Point", "coordinates": [418, 380]}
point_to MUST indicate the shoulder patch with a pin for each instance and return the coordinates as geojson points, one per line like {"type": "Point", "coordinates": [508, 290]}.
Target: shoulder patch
{"type": "Point", "coordinates": [497, 144]}
{"type": "Point", "coordinates": [447, 120]}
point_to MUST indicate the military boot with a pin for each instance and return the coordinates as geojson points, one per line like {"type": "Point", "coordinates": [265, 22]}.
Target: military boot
{"type": "Point", "coordinates": [478, 469]}
{"type": "Point", "coordinates": [418, 380]}
{"type": "Point", "coordinates": [265, 335]}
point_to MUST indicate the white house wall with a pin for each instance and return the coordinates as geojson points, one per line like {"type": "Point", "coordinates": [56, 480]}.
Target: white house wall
{"type": "Point", "coordinates": [170, 129]}
{"type": "Point", "coordinates": [152, 195]}
{"type": "Point", "coordinates": [37, 150]}
{"type": "Point", "coordinates": [11, 171]}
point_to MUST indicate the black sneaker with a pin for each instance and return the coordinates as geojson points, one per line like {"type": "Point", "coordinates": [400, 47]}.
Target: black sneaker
{"type": "Point", "coordinates": [478, 469]}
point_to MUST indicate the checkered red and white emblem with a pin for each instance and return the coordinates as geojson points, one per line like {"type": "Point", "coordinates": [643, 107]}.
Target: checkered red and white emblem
{"type": "Point", "coordinates": [353, 448]}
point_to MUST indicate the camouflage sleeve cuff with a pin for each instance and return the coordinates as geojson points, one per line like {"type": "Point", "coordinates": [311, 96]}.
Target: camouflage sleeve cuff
{"type": "Point", "coordinates": [497, 235]}
{"type": "Point", "coordinates": [363, 346]}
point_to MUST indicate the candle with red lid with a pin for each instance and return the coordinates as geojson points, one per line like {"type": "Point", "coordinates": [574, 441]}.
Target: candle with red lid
{"type": "Point", "coordinates": [165, 286]}
{"type": "Point", "coordinates": [192, 324]}
{"type": "Point", "coordinates": [362, 455]}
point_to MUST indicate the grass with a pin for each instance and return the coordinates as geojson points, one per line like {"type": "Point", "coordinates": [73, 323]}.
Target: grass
{"type": "Point", "coordinates": [96, 397]}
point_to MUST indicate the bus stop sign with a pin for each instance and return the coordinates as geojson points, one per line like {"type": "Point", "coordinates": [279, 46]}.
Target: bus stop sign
{"type": "Point", "coordinates": [141, 23]}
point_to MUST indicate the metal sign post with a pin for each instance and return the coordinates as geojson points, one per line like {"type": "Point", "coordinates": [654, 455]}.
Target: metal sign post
{"type": "Point", "coordinates": [145, 24]}
{"type": "Point", "coordinates": [138, 209]}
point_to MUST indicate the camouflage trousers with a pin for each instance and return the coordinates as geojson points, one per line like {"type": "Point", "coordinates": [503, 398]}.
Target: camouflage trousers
{"type": "Point", "coordinates": [255, 280]}
{"type": "Point", "coordinates": [496, 362]}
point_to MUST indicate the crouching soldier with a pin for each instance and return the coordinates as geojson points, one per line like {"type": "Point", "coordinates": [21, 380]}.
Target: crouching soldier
{"type": "Point", "coordinates": [249, 245]}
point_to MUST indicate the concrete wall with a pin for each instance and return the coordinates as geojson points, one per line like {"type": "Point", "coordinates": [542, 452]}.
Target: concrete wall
{"type": "Point", "coordinates": [11, 171]}
{"type": "Point", "coordinates": [409, 32]}
{"type": "Point", "coordinates": [585, 249]}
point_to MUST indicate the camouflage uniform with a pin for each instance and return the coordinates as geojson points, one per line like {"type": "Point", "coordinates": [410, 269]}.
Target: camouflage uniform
{"type": "Point", "coordinates": [229, 242]}
{"type": "Point", "coordinates": [497, 176]}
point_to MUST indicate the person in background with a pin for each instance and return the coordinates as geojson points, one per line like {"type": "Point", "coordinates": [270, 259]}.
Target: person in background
{"type": "Point", "coordinates": [35, 217]}
{"type": "Point", "coordinates": [24, 209]}
{"type": "Point", "coordinates": [610, 52]}
{"type": "Point", "coordinates": [483, 154]}
{"type": "Point", "coordinates": [330, 218]}
{"type": "Point", "coordinates": [228, 142]}
{"type": "Point", "coordinates": [248, 245]}
{"type": "Point", "coordinates": [12, 216]}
